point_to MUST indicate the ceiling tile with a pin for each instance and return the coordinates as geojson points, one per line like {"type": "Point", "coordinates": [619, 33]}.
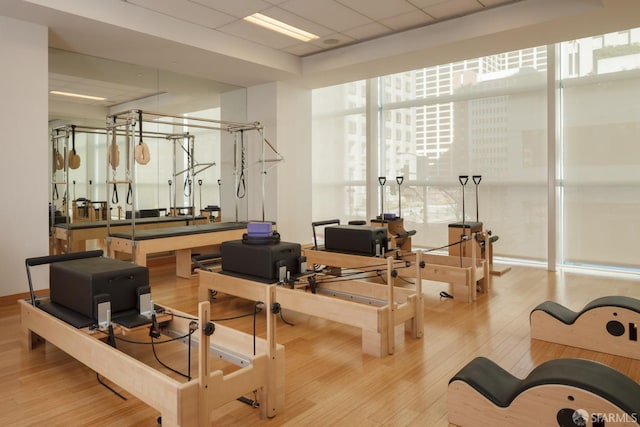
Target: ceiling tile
{"type": "Point", "coordinates": [452, 8]}
{"type": "Point", "coordinates": [327, 13]}
{"type": "Point", "coordinates": [238, 9]}
{"type": "Point", "coordinates": [333, 40]}
{"type": "Point", "coordinates": [378, 10]}
{"type": "Point", "coordinates": [257, 34]}
{"type": "Point", "coordinates": [407, 20]}
{"type": "Point", "coordinates": [368, 31]}
{"type": "Point", "coordinates": [297, 21]}
{"type": "Point", "coordinates": [186, 11]}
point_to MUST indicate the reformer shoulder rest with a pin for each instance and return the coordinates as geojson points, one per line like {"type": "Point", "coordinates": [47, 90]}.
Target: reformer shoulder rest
{"type": "Point", "coordinates": [608, 324]}
{"type": "Point", "coordinates": [161, 233]}
{"type": "Point", "coordinates": [557, 392]}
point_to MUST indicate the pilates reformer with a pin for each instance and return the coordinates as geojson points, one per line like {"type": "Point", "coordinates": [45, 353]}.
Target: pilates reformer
{"type": "Point", "coordinates": [73, 237]}
{"type": "Point", "coordinates": [467, 276]}
{"type": "Point", "coordinates": [83, 209]}
{"type": "Point", "coordinates": [131, 123]}
{"type": "Point", "coordinates": [382, 311]}
{"type": "Point", "coordinates": [561, 392]}
{"type": "Point", "coordinates": [140, 243]}
{"type": "Point", "coordinates": [182, 240]}
{"type": "Point", "coordinates": [258, 364]}
{"type": "Point", "coordinates": [608, 324]}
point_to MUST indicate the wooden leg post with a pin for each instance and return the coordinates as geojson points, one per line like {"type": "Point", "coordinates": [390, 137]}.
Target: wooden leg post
{"type": "Point", "coordinates": [203, 363]}
{"type": "Point", "coordinates": [391, 307]}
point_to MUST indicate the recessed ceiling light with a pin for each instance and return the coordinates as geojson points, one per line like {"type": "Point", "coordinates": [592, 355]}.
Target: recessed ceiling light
{"type": "Point", "coordinates": [280, 27]}
{"type": "Point", "coordinates": [77, 95]}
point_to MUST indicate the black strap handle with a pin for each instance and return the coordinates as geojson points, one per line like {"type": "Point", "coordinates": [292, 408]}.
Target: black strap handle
{"type": "Point", "coordinates": [140, 125]}
{"type": "Point", "coordinates": [73, 138]}
{"type": "Point", "coordinates": [114, 196]}
{"type": "Point", "coordinates": [129, 194]}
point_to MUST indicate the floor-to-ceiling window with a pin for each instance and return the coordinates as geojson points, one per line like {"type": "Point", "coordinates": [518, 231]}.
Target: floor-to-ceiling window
{"type": "Point", "coordinates": [601, 149]}
{"type": "Point", "coordinates": [339, 147]}
{"type": "Point", "coordinates": [488, 117]}
{"type": "Point", "coordinates": [483, 117]}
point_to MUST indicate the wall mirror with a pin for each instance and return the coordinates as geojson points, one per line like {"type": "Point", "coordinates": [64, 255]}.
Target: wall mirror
{"type": "Point", "coordinates": [183, 171]}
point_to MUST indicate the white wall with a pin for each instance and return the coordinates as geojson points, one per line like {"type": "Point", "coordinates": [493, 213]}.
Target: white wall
{"type": "Point", "coordinates": [285, 112]}
{"type": "Point", "coordinates": [25, 141]}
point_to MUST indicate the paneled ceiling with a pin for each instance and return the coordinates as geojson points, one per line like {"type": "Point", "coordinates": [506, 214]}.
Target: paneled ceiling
{"type": "Point", "coordinates": [336, 22]}
{"type": "Point", "coordinates": [125, 50]}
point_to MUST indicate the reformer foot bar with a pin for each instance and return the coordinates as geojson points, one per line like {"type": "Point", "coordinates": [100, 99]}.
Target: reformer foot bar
{"type": "Point", "coordinates": [608, 325]}
{"type": "Point", "coordinates": [467, 276]}
{"type": "Point", "coordinates": [182, 240]}
{"type": "Point", "coordinates": [382, 312]}
{"type": "Point", "coordinates": [561, 392]}
{"type": "Point", "coordinates": [179, 403]}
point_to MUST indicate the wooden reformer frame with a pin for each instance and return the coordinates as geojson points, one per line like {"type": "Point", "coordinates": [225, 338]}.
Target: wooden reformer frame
{"type": "Point", "coordinates": [349, 302]}
{"type": "Point", "coordinates": [468, 276]}
{"type": "Point", "coordinates": [180, 403]}
{"type": "Point", "coordinates": [182, 243]}
{"type": "Point", "coordinates": [74, 237]}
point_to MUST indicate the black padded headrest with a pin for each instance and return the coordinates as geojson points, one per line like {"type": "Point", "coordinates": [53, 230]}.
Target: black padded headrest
{"type": "Point", "coordinates": [569, 317]}
{"type": "Point", "coordinates": [501, 388]}
{"type": "Point", "coordinates": [620, 301]}
{"type": "Point", "coordinates": [490, 380]}
{"type": "Point", "coordinates": [558, 311]}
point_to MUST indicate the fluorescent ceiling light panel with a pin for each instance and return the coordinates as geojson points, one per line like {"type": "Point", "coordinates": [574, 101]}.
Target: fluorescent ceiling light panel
{"type": "Point", "coordinates": [77, 95]}
{"type": "Point", "coordinates": [280, 27]}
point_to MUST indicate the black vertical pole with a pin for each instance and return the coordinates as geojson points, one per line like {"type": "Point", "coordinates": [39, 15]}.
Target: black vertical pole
{"type": "Point", "coordinates": [476, 181]}
{"type": "Point", "coordinates": [463, 181]}
{"type": "Point", "coordinates": [399, 180]}
{"type": "Point", "coordinates": [382, 180]}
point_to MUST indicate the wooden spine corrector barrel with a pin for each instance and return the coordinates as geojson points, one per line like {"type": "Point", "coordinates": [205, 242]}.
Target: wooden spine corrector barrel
{"type": "Point", "coordinates": [561, 392]}
{"type": "Point", "coordinates": [608, 324]}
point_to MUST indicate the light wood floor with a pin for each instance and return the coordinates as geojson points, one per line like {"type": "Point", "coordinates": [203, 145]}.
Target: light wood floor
{"type": "Point", "coordinates": [328, 379]}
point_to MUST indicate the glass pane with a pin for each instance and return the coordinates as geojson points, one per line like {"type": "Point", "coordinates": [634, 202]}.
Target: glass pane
{"type": "Point", "coordinates": [485, 117]}
{"type": "Point", "coordinates": [339, 152]}
{"type": "Point", "coordinates": [601, 154]}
